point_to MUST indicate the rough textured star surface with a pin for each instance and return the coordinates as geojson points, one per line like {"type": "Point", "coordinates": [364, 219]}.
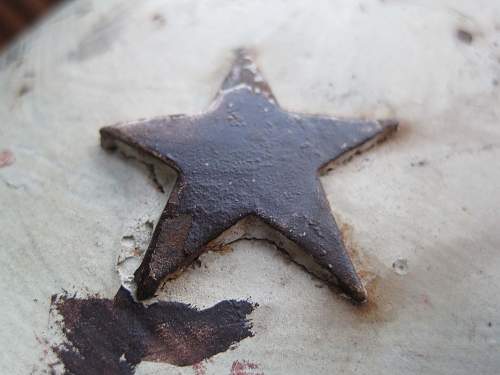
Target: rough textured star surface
{"type": "Point", "coordinates": [246, 157]}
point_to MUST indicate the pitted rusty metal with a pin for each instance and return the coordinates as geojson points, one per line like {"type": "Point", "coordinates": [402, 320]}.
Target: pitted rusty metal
{"type": "Point", "coordinates": [246, 157]}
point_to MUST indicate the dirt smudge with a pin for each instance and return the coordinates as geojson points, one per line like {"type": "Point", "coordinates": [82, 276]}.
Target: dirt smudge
{"type": "Point", "coordinates": [112, 337]}
{"type": "Point", "coordinates": [101, 37]}
{"type": "Point", "coordinates": [464, 36]}
{"type": "Point", "coordinates": [23, 90]}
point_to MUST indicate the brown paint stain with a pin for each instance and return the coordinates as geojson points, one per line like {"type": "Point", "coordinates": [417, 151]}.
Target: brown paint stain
{"type": "Point", "coordinates": [6, 158]}
{"type": "Point", "coordinates": [113, 336]}
{"type": "Point", "coordinates": [245, 368]}
{"type": "Point", "coordinates": [174, 232]}
{"type": "Point", "coordinates": [372, 311]}
{"type": "Point", "coordinates": [220, 248]}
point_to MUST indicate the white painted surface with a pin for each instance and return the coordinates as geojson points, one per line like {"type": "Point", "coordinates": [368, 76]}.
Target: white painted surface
{"type": "Point", "coordinates": [430, 196]}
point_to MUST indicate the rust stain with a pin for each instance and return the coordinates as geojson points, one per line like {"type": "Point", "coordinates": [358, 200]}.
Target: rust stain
{"type": "Point", "coordinates": [371, 311]}
{"type": "Point", "coordinates": [360, 260]}
{"type": "Point", "coordinates": [170, 235]}
{"type": "Point", "coordinates": [382, 290]}
{"type": "Point", "coordinates": [220, 248]}
{"type": "Point", "coordinates": [137, 252]}
{"type": "Point", "coordinates": [6, 158]}
{"type": "Point", "coordinates": [245, 368]}
{"type": "Point", "coordinates": [113, 336]}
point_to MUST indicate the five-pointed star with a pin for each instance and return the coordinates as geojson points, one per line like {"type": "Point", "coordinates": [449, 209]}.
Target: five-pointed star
{"type": "Point", "coordinates": [246, 157]}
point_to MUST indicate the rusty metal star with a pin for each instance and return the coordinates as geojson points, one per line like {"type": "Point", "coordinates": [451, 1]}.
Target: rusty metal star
{"type": "Point", "coordinates": [247, 159]}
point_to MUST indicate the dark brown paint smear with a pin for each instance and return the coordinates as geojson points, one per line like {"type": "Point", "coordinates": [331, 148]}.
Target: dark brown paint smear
{"type": "Point", "coordinates": [112, 336]}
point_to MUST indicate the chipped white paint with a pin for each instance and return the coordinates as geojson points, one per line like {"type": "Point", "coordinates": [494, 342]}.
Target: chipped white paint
{"type": "Point", "coordinates": [133, 246]}
{"type": "Point", "coordinates": [429, 196]}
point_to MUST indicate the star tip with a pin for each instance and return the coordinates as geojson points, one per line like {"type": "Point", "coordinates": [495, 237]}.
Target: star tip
{"type": "Point", "coordinates": [245, 73]}
{"type": "Point", "coordinates": [244, 54]}
{"type": "Point", "coordinates": [355, 290]}
{"type": "Point", "coordinates": [356, 293]}
{"type": "Point", "coordinates": [361, 295]}
{"type": "Point", "coordinates": [107, 138]}
{"type": "Point", "coordinates": [243, 70]}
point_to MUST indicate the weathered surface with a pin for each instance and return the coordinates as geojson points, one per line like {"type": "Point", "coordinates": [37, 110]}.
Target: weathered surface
{"type": "Point", "coordinates": [426, 201]}
{"type": "Point", "coordinates": [113, 336]}
{"type": "Point", "coordinates": [241, 159]}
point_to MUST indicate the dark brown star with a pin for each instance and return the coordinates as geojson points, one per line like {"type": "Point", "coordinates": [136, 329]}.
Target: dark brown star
{"type": "Point", "coordinates": [246, 158]}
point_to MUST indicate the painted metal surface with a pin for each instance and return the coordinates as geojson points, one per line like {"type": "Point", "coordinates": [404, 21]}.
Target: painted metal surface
{"type": "Point", "coordinates": [418, 215]}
